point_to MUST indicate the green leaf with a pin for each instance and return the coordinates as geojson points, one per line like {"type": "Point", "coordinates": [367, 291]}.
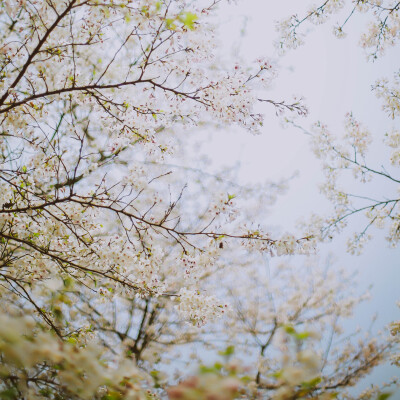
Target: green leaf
{"type": "Point", "coordinates": [302, 335]}
{"type": "Point", "coordinates": [46, 392]}
{"type": "Point", "coordinates": [72, 340]}
{"type": "Point", "coordinates": [187, 18]}
{"type": "Point", "coordinates": [206, 370]}
{"type": "Point", "coordinates": [311, 384]}
{"type": "Point", "coordinates": [384, 396]}
{"type": "Point", "coordinates": [218, 366]}
{"type": "Point", "coordinates": [227, 352]}
{"type": "Point", "coordinates": [9, 394]}
{"type": "Point", "coordinates": [112, 396]}
{"type": "Point", "coordinates": [170, 23]}
{"type": "Point", "coordinates": [277, 374]}
{"type": "Point", "coordinates": [246, 379]}
{"type": "Point", "coordinates": [290, 330]}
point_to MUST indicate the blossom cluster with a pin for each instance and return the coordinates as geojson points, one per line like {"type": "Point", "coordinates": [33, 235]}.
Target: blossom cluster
{"type": "Point", "coordinates": [351, 155]}
{"type": "Point", "coordinates": [383, 30]}
{"type": "Point", "coordinates": [37, 364]}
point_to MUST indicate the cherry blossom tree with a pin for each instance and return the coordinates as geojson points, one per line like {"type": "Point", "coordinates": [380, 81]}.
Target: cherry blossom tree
{"type": "Point", "coordinates": [110, 249]}
{"type": "Point", "coordinates": [94, 98]}
{"type": "Point", "coordinates": [293, 338]}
